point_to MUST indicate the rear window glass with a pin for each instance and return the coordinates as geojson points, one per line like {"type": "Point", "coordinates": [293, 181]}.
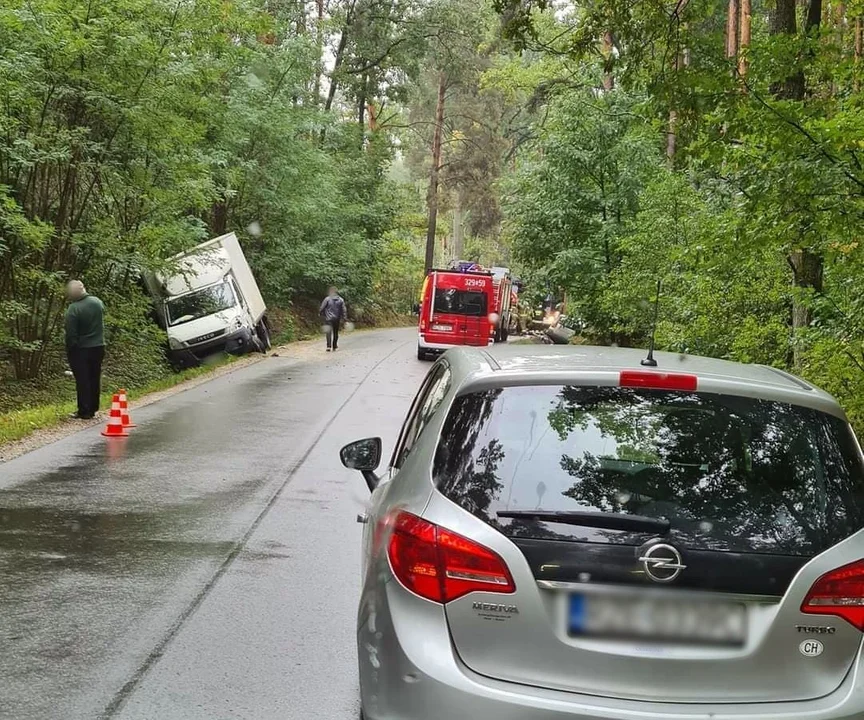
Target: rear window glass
{"type": "Point", "coordinates": [460, 302]}
{"type": "Point", "coordinates": [728, 472]}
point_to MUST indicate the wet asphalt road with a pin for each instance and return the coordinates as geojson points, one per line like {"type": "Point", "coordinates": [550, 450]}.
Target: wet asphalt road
{"type": "Point", "coordinates": [207, 566]}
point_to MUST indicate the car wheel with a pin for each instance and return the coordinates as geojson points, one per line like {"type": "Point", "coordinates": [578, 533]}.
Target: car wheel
{"type": "Point", "coordinates": [421, 354]}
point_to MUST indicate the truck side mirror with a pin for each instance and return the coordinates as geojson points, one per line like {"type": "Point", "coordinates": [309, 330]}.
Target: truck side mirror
{"type": "Point", "coordinates": [416, 309]}
{"type": "Point", "coordinates": [365, 456]}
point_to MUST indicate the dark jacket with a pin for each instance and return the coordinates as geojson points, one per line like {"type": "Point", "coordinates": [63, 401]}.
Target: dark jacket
{"type": "Point", "coordinates": [84, 323]}
{"type": "Point", "coordinates": [333, 308]}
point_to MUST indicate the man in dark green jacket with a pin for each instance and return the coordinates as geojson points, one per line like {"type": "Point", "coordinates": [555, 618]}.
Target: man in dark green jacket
{"type": "Point", "coordinates": [85, 346]}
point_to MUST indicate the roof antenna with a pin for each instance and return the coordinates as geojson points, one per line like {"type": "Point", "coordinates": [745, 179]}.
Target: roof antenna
{"type": "Point", "coordinates": [650, 361]}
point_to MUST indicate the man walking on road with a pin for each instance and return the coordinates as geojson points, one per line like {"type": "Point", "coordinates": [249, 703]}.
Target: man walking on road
{"type": "Point", "coordinates": [333, 312]}
{"type": "Point", "coordinates": [85, 346]}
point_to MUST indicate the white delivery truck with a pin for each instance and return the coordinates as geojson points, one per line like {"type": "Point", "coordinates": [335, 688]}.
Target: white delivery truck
{"type": "Point", "coordinates": [209, 302]}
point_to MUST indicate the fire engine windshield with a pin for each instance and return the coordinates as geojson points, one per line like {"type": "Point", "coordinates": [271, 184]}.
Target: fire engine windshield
{"type": "Point", "coordinates": [460, 302]}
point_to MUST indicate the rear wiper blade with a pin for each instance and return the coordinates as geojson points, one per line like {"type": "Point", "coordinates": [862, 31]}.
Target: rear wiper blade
{"type": "Point", "coordinates": [595, 519]}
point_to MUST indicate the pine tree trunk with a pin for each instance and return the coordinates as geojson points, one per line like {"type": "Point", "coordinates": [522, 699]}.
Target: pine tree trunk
{"type": "Point", "coordinates": [814, 15]}
{"type": "Point", "coordinates": [608, 61]}
{"type": "Point", "coordinates": [784, 22]}
{"type": "Point", "coordinates": [807, 270]}
{"type": "Point", "coordinates": [744, 38]}
{"type": "Point", "coordinates": [339, 57]}
{"type": "Point", "coordinates": [432, 195]}
{"type": "Point", "coordinates": [858, 43]}
{"type": "Point", "coordinates": [672, 137]}
{"type": "Point", "coordinates": [319, 40]}
{"type": "Point", "coordinates": [682, 60]}
{"type": "Point", "coordinates": [859, 38]}
{"type": "Point", "coordinates": [732, 30]}
{"type": "Point", "coordinates": [458, 236]}
{"type": "Point", "coordinates": [807, 266]}
{"type": "Point", "coordinates": [219, 217]}
{"type": "Point", "coordinates": [361, 104]}
{"type": "Point", "coordinates": [337, 63]}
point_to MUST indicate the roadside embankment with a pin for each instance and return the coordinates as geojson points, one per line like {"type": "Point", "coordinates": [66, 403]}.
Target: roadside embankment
{"type": "Point", "coordinates": [34, 414]}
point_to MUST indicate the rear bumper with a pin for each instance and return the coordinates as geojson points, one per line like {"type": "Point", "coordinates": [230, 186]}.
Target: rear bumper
{"type": "Point", "coordinates": [410, 671]}
{"type": "Point", "coordinates": [440, 347]}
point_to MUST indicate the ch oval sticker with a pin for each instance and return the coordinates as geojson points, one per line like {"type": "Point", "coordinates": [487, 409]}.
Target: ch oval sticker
{"type": "Point", "coordinates": [811, 648]}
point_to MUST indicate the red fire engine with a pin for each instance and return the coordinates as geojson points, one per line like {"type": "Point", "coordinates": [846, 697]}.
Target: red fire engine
{"type": "Point", "coordinates": [463, 305]}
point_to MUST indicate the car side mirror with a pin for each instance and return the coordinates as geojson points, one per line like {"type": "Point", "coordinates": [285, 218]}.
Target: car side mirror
{"type": "Point", "coordinates": [365, 456]}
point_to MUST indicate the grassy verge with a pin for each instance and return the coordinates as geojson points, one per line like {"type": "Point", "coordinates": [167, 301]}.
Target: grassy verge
{"type": "Point", "coordinates": [18, 424]}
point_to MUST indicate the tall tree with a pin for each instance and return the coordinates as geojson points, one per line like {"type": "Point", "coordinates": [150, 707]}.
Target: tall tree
{"type": "Point", "coordinates": [434, 170]}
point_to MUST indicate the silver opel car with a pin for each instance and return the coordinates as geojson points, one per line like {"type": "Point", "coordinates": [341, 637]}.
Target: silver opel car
{"type": "Point", "coordinates": [566, 534]}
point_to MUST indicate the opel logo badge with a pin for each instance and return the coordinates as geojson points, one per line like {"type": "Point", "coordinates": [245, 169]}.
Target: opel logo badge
{"type": "Point", "coordinates": [662, 563]}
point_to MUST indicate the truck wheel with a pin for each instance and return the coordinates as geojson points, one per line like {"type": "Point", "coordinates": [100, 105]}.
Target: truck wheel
{"type": "Point", "coordinates": [263, 336]}
{"type": "Point", "coordinates": [421, 354]}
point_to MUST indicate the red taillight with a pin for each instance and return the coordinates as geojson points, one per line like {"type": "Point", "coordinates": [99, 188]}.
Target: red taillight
{"type": "Point", "coordinates": [440, 565]}
{"type": "Point", "coordinates": [469, 566]}
{"type": "Point", "coordinates": [413, 555]}
{"type": "Point", "coordinates": [840, 593]}
{"type": "Point", "coordinates": [657, 380]}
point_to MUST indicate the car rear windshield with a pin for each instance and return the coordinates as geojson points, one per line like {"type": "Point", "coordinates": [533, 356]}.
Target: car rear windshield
{"type": "Point", "coordinates": [728, 472]}
{"type": "Point", "coordinates": [460, 302]}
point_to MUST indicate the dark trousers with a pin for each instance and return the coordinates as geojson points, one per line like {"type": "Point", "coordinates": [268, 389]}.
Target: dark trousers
{"type": "Point", "coordinates": [86, 365]}
{"type": "Point", "coordinates": [333, 333]}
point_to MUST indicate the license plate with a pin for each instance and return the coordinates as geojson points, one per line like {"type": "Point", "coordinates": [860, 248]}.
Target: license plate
{"type": "Point", "coordinates": [442, 328]}
{"type": "Point", "coordinates": [631, 617]}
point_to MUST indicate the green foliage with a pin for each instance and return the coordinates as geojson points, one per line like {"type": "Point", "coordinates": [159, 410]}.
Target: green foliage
{"type": "Point", "coordinates": [573, 201]}
{"type": "Point", "coordinates": [132, 130]}
{"type": "Point", "coordinates": [737, 182]}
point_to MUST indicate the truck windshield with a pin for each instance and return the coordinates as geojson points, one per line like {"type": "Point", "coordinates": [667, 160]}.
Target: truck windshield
{"type": "Point", "coordinates": [460, 302]}
{"type": "Point", "coordinates": [202, 302]}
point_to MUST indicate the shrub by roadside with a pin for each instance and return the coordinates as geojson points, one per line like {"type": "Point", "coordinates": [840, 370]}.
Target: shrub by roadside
{"type": "Point", "coordinates": [52, 402]}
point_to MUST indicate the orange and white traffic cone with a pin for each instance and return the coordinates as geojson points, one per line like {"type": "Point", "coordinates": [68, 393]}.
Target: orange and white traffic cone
{"type": "Point", "coordinates": [115, 428]}
{"type": "Point", "coordinates": [124, 411]}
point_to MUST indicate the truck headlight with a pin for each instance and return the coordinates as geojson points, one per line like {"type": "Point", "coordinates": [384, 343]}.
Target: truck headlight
{"type": "Point", "coordinates": [175, 344]}
{"type": "Point", "coordinates": [238, 323]}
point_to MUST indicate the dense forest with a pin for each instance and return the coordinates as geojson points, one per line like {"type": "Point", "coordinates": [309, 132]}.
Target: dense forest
{"type": "Point", "coordinates": [716, 147]}
{"type": "Point", "coordinates": [596, 148]}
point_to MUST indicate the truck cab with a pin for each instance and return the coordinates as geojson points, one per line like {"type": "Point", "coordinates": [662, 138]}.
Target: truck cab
{"type": "Point", "coordinates": [209, 302]}
{"type": "Point", "coordinates": [209, 319]}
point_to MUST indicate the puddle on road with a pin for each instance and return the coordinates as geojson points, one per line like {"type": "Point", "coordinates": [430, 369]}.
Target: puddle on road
{"type": "Point", "coordinates": [37, 541]}
{"type": "Point", "coordinates": [46, 539]}
{"type": "Point", "coordinates": [100, 548]}
{"type": "Point", "coordinates": [169, 494]}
